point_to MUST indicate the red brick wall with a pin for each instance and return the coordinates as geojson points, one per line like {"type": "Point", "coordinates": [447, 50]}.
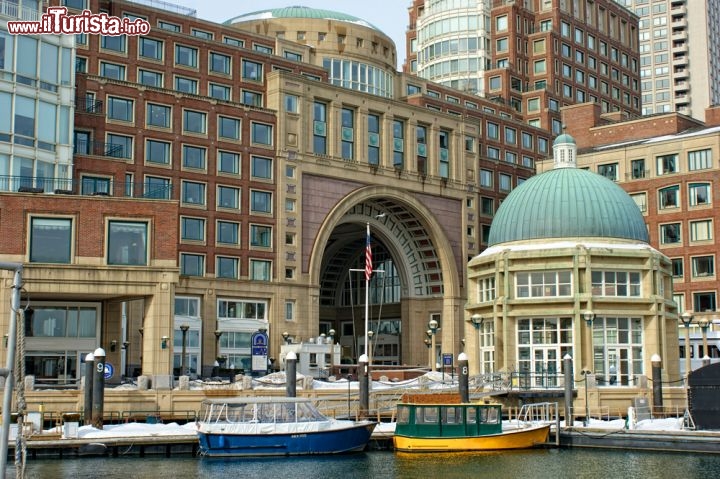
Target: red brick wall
{"type": "Point", "coordinates": [90, 227]}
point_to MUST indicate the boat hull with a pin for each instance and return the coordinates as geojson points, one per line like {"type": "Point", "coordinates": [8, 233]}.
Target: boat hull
{"type": "Point", "coordinates": [353, 438]}
{"type": "Point", "coordinates": [515, 439]}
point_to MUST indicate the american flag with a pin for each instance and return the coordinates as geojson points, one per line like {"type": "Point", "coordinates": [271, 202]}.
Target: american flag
{"type": "Point", "coordinates": [368, 258]}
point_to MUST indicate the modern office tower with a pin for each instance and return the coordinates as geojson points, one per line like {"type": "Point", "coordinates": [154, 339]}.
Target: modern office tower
{"type": "Point", "coordinates": [679, 65]}
{"type": "Point", "coordinates": [223, 180]}
{"type": "Point", "coordinates": [36, 106]}
{"type": "Point", "coordinates": [544, 54]}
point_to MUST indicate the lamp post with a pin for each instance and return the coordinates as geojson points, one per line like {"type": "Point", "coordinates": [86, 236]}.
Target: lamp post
{"type": "Point", "coordinates": [428, 343]}
{"type": "Point", "coordinates": [477, 321]}
{"type": "Point", "coordinates": [589, 317]}
{"type": "Point", "coordinates": [184, 328]}
{"type": "Point", "coordinates": [126, 348]}
{"type": "Point", "coordinates": [286, 337]}
{"type": "Point", "coordinates": [370, 350]}
{"type": "Point", "coordinates": [331, 335]}
{"type": "Point", "coordinates": [433, 325]}
{"type": "Point", "coordinates": [704, 322]}
{"type": "Point", "coordinates": [686, 319]}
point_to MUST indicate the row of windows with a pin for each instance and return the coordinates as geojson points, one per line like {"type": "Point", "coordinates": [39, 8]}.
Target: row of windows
{"type": "Point", "coordinates": [547, 284]}
{"type": "Point", "coordinates": [504, 180]}
{"type": "Point", "coordinates": [701, 230]}
{"type": "Point", "coordinates": [665, 164]}
{"type": "Point", "coordinates": [699, 194]}
{"type": "Point", "coordinates": [701, 267]}
{"type": "Point", "coordinates": [51, 241]}
{"type": "Point", "coordinates": [158, 152]}
{"type": "Point", "coordinates": [227, 233]}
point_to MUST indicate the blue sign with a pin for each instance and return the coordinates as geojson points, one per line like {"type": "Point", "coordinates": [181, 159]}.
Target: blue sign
{"type": "Point", "coordinates": [109, 370]}
{"type": "Point", "coordinates": [447, 359]}
{"type": "Point", "coordinates": [259, 351]}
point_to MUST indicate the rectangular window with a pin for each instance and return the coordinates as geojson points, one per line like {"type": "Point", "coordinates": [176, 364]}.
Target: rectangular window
{"type": "Point", "coordinates": [150, 78]}
{"type": "Point", "coordinates": [543, 284]}
{"type": "Point", "coordinates": [700, 159]}
{"type": "Point", "coordinates": [252, 70]}
{"type": "Point", "coordinates": [192, 264]}
{"type": "Point", "coordinates": [114, 43]}
{"type": "Point", "coordinates": [486, 178]}
{"type": "Point", "coordinates": [219, 63]}
{"type": "Point", "coordinates": [228, 197]}
{"type": "Point", "coordinates": [444, 154]}
{"type": "Point", "coordinates": [290, 310]}
{"type": "Point", "coordinates": [701, 230]}
{"type": "Point", "coordinates": [347, 133]}
{"type": "Point", "coordinates": [493, 131]}
{"type": "Point", "coordinates": [261, 134]}
{"type": "Point", "coordinates": [261, 168]}
{"type": "Point", "coordinates": [609, 171]}
{"type": "Point", "coordinates": [51, 240]}
{"type": "Point", "coordinates": [373, 139]}
{"type": "Point", "coordinates": [616, 283]}
{"type": "Point", "coordinates": [252, 98]}
{"type": "Point", "coordinates": [667, 164]}
{"type": "Point", "coordinates": [704, 302]}
{"type": "Point", "coordinates": [234, 42]}
{"type": "Point", "coordinates": [699, 194]}
{"type": "Point", "coordinates": [186, 56]}
{"type": "Point", "coordinates": [157, 188]}
{"type": "Point", "coordinates": [186, 85]}
{"type": "Point", "coordinates": [319, 128]}
{"type": "Point", "coordinates": [260, 236]}
{"type": "Point", "coordinates": [638, 169]}
{"type": "Point", "coordinates": [292, 103]}
{"type": "Point", "coordinates": [95, 185]}
{"type": "Point", "coordinates": [486, 289]}
{"type": "Point", "coordinates": [227, 267]}
{"type": "Point", "coordinates": [150, 48]}
{"type": "Point", "coordinates": [487, 206]}
{"type": "Point", "coordinates": [119, 146]}
{"type": "Point", "coordinates": [192, 229]}
{"type": "Point", "coordinates": [119, 109]}
{"type": "Point", "coordinates": [228, 233]}
{"type": "Point", "coordinates": [158, 115]}
{"type": "Point", "coordinates": [677, 269]}
{"type": "Point", "coordinates": [193, 157]}
{"type": "Point", "coordinates": [194, 121]}
{"type": "Point", "coordinates": [260, 270]}
{"type": "Point", "coordinates": [220, 92]}
{"type": "Point", "coordinates": [505, 182]}
{"type": "Point", "coordinates": [703, 266]}
{"type": "Point", "coordinates": [112, 71]}
{"type": "Point", "coordinates": [228, 162]}
{"type": "Point", "coordinates": [260, 201]}
{"type": "Point", "coordinates": [169, 26]}
{"type": "Point", "coordinates": [157, 152]}
{"type": "Point", "coordinates": [127, 243]}
{"type": "Point", "coordinates": [398, 144]}
{"type": "Point", "coordinates": [670, 233]}
{"type": "Point", "coordinates": [193, 193]}
{"type": "Point", "coordinates": [228, 128]}
{"type": "Point", "coordinates": [669, 197]}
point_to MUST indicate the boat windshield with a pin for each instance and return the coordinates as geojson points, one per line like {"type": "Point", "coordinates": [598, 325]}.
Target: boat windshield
{"type": "Point", "coordinates": [263, 412]}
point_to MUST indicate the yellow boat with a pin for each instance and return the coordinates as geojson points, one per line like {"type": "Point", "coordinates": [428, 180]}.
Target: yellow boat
{"type": "Point", "coordinates": [441, 423]}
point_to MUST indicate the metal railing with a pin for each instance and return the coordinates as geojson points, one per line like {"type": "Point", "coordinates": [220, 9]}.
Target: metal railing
{"type": "Point", "coordinates": [100, 148]}
{"type": "Point", "coordinates": [85, 187]}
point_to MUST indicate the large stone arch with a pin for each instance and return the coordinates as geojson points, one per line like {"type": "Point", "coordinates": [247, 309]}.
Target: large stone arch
{"type": "Point", "coordinates": [428, 259]}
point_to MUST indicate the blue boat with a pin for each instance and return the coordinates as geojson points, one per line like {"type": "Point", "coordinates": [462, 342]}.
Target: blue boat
{"type": "Point", "coordinates": [275, 426]}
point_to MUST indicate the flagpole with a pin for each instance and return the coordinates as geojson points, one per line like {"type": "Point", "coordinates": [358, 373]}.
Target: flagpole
{"type": "Point", "coordinates": [367, 288]}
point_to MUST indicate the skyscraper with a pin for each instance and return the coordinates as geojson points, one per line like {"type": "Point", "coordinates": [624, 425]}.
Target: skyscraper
{"type": "Point", "coordinates": [679, 66]}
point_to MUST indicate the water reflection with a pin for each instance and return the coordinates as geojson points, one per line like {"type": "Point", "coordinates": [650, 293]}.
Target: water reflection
{"type": "Point", "coordinates": [535, 464]}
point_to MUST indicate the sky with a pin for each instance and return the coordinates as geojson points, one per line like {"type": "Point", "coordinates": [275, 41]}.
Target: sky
{"type": "Point", "coordinates": [390, 16]}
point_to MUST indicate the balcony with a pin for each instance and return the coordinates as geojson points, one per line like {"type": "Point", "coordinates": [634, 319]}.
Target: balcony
{"type": "Point", "coordinates": [682, 98]}
{"type": "Point", "coordinates": [680, 48]}
{"type": "Point", "coordinates": [680, 22]}
{"type": "Point", "coordinates": [87, 186]}
{"type": "Point", "coordinates": [15, 12]}
{"type": "Point", "coordinates": [682, 86]}
{"type": "Point", "coordinates": [83, 105]}
{"type": "Point", "coordinates": [100, 148]}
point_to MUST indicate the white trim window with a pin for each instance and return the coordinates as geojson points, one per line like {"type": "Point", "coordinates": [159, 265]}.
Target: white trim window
{"type": "Point", "coordinates": [543, 284]}
{"type": "Point", "coordinates": [616, 283]}
{"type": "Point", "coordinates": [486, 289]}
{"type": "Point", "coordinates": [700, 159]}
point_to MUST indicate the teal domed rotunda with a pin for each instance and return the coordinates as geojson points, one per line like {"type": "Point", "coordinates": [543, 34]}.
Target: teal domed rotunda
{"type": "Point", "coordinates": [567, 202]}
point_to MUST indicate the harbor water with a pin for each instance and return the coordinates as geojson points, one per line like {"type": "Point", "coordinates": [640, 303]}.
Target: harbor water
{"type": "Point", "coordinates": [534, 464]}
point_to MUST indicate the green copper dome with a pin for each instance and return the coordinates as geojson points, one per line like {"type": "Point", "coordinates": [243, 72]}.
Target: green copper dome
{"type": "Point", "coordinates": [566, 203]}
{"type": "Point", "coordinates": [564, 138]}
{"type": "Point", "coordinates": [300, 12]}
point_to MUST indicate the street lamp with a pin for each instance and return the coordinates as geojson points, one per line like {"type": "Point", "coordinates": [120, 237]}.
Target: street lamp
{"type": "Point", "coordinates": [331, 335]}
{"type": "Point", "coordinates": [589, 317]}
{"type": "Point", "coordinates": [477, 320]}
{"type": "Point", "coordinates": [433, 325]}
{"type": "Point", "coordinates": [704, 322]}
{"type": "Point", "coordinates": [370, 350]}
{"type": "Point", "coordinates": [184, 328]}
{"type": "Point", "coordinates": [286, 337]}
{"type": "Point", "coordinates": [428, 343]}
{"type": "Point", "coordinates": [686, 319]}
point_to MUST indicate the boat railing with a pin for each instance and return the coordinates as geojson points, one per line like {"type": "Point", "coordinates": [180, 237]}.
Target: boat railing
{"type": "Point", "coordinates": [538, 413]}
